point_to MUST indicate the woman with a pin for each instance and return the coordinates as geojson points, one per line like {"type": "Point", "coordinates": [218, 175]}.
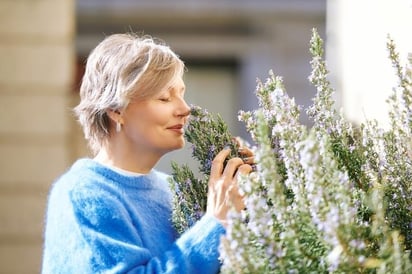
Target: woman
{"type": "Point", "coordinates": [112, 213]}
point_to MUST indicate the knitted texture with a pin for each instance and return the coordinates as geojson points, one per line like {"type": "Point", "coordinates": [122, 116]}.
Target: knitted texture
{"type": "Point", "coordinates": [100, 221]}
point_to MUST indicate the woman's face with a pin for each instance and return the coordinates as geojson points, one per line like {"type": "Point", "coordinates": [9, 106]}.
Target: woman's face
{"type": "Point", "coordinates": [156, 124]}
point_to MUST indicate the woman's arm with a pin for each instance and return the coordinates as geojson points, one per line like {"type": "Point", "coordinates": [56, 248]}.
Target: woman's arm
{"type": "Point", "coordinates": [95, 233]}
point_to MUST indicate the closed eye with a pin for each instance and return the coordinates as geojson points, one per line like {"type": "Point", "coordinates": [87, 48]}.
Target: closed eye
{"type": "Point", "coordinates": [165, 99]}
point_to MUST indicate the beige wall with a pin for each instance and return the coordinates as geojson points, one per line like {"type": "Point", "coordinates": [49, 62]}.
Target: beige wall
{"type": "Point", "coordinates": [36, 72]}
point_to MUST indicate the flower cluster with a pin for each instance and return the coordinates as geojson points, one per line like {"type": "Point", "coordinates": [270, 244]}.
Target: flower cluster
{"type": "Point", "coordinates": [333, 198]}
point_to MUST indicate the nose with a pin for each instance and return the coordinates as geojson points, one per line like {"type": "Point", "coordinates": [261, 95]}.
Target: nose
{"type": "Point", "coordinates": [184, 109]}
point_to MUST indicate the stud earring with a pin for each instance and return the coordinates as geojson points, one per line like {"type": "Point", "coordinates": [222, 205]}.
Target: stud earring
{"type": "Point", "coordinates": [118, 126]}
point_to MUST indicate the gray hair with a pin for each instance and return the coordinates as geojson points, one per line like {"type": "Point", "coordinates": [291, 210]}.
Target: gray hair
{"type": "Point", "coordinates": [121, 67]}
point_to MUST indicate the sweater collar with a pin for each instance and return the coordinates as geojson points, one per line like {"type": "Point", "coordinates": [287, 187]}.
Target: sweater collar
{"type": "Point", "coordinates": [141, 181]}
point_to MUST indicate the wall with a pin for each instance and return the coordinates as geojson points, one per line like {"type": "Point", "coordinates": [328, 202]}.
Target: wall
{"type": "Point", "coordinates": [36, 72]}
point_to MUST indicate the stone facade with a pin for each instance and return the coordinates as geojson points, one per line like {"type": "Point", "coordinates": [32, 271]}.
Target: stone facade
{"type": "Point", "coordinates": [36, 76]}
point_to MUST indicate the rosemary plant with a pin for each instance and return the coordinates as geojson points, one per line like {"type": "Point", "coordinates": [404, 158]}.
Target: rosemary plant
{"type": "Point", "coordinates": [333, 198]}
{"type": "Point", "coordinates": [208, 135]}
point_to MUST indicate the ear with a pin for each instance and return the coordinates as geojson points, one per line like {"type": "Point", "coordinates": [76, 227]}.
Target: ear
{"type": "Point", "coordinates": [115, 116]}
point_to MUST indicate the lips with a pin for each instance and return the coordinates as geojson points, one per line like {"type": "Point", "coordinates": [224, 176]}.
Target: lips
{"type": "Point", "coordinates": [178, 128]}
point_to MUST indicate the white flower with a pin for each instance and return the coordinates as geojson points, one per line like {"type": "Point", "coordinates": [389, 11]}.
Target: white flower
{"type": "Point", "coordinates": [333, 257]}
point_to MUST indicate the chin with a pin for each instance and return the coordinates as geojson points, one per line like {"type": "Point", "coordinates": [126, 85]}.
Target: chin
{"type": "Point", "coordinates": [181, 145]}
{"type": "Point", "coordinates": [178, 145]}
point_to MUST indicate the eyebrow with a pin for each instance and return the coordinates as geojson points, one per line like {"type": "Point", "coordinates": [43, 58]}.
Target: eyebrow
{"type": "Point", "coordinates": [182, 89]}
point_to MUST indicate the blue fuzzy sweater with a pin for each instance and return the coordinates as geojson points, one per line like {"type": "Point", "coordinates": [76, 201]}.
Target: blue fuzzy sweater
{"type": "Point", "coordinates": [101, 221]}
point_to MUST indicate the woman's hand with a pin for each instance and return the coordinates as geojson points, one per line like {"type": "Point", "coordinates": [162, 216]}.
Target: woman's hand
{"type": "Point", "coordinates": [223, 190]}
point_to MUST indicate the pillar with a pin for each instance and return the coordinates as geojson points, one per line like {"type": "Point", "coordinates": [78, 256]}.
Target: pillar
{"type": "Point", "coordinates": [36, 72]}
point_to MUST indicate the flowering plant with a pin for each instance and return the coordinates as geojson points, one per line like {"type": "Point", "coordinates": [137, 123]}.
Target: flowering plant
{"type": "Point", "coordinates": [333, 198]}
{"type": "Point", "coordinates": [208, 134]}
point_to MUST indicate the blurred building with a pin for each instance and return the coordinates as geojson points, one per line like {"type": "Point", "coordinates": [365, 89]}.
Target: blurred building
{"type": "Point", "coordinates": [225, 44]}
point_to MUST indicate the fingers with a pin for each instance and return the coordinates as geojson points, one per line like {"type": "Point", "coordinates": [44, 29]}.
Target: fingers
{"type": "Point", "coordinates": [244, 169]}
{"type": "Point", "coordinates": [249, 160]}
{"type": "Point", "coordinates": [218, 168]}
{"type": "Point", "coordinates": [223, 184]}
{"type": "Point", "coordinates": [232, 166]}
{"type": "Point", "coordinates": [218, 162]}
{"type": "Point", "coordinates": [245, 152]}
{"type": "Point", "coordinates": [235, 197]}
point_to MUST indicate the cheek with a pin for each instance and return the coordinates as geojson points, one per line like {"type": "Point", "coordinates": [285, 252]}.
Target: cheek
{"type": "Point", "coordinates": [148, 117]}
{"type": "Point", "coordinates": [159, 116]}
{"type": "Point", "coordinates": [146, 124]}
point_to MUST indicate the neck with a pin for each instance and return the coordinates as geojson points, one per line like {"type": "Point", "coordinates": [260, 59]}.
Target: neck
{"type": "Point", "coordinates": [130, 160]}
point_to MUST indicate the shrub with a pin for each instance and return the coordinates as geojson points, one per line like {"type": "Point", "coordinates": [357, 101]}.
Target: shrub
{"type": "Point", "coordinates": [333, 198]}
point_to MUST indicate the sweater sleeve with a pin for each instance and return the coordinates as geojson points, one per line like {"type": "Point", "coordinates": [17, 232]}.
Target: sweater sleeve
{"type": "Point", "coordinates": [116, 245]}
{"type": "Point", "coordinates": [200, 245]}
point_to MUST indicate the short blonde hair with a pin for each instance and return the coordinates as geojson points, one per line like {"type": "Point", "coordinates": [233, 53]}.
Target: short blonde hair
{"type": "Point", "coordinates": [121, 67]}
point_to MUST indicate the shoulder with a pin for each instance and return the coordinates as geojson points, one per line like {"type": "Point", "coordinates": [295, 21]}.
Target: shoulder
{"type": "Point", "coordinates": [83, 184]}
{"type": "Point", "coordinates": [78, 176]}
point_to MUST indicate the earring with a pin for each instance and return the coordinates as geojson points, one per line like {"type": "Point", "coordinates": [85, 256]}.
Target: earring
{"type": "Point", "coordinates": [118, 126]}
